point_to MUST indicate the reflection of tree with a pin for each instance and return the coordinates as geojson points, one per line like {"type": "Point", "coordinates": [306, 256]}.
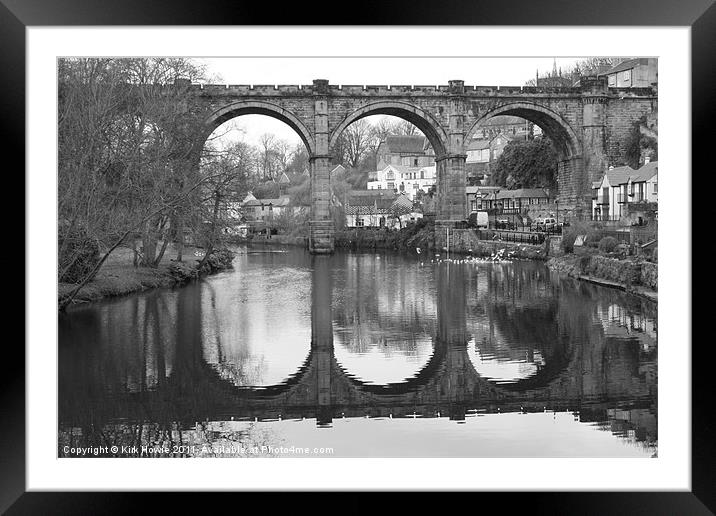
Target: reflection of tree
{"type": "Point", "coordinates": [378, 305]}
{"type": "Point", "coordinates": [206, 439]}
{"type": "Point", "coordinates": [523, 329]}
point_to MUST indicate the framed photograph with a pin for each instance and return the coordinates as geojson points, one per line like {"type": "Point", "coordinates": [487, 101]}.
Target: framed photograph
{"type": "Point", "coordinates": [403, 257]}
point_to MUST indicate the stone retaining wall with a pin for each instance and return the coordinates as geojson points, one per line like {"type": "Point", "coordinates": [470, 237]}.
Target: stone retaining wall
{"type": "Point", "coordinates": [465, 241]}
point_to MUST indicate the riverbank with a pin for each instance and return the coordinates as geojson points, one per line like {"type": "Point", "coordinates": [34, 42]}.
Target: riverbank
{"type": "Point", "coordinates": [298, 241]}
{"type": "Point", "coordinates": [119, 277]}
{"type": "Point", "coordinates": [633, 276]}
{"type": "Point", "coordinates": [422, 236]}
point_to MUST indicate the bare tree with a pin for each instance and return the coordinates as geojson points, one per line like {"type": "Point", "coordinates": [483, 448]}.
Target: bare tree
{"type": "Point", "coordinates": [266, 142]}
{"type": "Point", "coordinates": [121, 151]}
{"type": "Point", "coordinates": [355, 141]}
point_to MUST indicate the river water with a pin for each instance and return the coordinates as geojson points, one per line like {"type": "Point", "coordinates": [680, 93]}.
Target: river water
{"type": "Point", "coordinates": [361, 355]}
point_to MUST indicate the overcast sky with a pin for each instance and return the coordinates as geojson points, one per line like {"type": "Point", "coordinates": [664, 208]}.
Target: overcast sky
{"type": "Point", "coordinates": [513, 71]}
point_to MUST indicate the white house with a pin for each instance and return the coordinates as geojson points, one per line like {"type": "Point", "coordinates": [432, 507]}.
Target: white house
{"type": "Point", "coordinates": [622, 186]}
{"type": "Point", "coordinates": [379, 208]}
{"type": "Point", "coordinates": [264, 210]}
{"type": "Point", "coordinates": [403, 179]}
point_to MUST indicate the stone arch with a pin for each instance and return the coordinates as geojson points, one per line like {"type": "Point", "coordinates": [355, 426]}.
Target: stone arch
{"type": "Point", "coordinates": [417, 116]}
{"type": "Point", "coordinates": [567, 143]}
{"type": "Point", "coordinates": [256, 107]}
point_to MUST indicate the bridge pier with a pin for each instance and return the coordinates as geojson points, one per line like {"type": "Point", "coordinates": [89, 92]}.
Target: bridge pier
{"type": "Point", "coordinates": [451, 203]}
{"type": "Point", "coordinates": [321, 223]}
{"type": "Point", "coordinates": [594, 99]}
{"type": "Point", "coordinates": [571, 196]}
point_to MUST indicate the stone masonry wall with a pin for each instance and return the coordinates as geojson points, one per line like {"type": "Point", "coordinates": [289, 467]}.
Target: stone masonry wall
{"type": "Point", "coordinates": [620, 120]}
{"type": "Point", "coordinates": [465, 241]}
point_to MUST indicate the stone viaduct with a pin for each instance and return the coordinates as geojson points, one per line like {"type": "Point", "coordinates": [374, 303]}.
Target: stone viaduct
{"type": "Point", "coordinates": [588, 125]}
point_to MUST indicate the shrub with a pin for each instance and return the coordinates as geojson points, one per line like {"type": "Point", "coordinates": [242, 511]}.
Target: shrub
{"type": "Point", "coordinates": [567, 244]}
{"type": "Point", "coordinates": [608, 244]}
{"type": "Point", "coordinates": [594, 236]}
{"type": "Point", "coordinates": [79, 254]}
{"type": "Point", "coordinates": [569, 236]}
{"type": "Point", "coordinates": [584, 262]}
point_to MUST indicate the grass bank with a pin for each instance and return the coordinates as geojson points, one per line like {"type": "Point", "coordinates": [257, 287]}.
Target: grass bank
{"type": "Point", "coordinates": [118, 276]}
{"type": "Point", "coordinates": [631, 275]}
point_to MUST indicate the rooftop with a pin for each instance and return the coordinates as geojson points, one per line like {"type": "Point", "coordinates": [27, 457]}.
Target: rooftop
{"type": "Point", "coordinates": [403, 144]}
{"type": "Point", "coordinates": [523, 193]}
{"type": "Point", "coordinates": [624, 174]}
{"type": "Point", "coordinates": [281, 201]}
{"type": "Point", "coordinates": [627, 65]}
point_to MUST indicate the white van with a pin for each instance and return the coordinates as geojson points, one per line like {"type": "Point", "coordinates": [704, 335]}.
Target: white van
{"type": "Point", "coordinates": [546, 224]}
{"type": "Point", "coordinates": [482, 219]}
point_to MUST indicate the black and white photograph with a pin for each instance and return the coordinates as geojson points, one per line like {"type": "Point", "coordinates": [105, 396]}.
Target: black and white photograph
{"type": "Point", "coordinates": [358, 258]}
{"type": "Point", "coordinates": [328, 269]}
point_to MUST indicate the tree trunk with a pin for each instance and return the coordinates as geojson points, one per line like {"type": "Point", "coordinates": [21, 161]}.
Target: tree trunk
{"type": "Point", "coordinates": [135, 257]}
{"type": "Point", "coordinates": [165, 243]}
{"type": "Point", "coordinates": [212, 234]}
{"type": "Point", "coordinates": [179, 234]}
{"type": "Point", "coordinates": [149, 244]}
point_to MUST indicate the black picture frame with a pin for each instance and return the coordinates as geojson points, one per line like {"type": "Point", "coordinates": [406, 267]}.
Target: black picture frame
{"type": "Point", "coordinates": [17, 15]}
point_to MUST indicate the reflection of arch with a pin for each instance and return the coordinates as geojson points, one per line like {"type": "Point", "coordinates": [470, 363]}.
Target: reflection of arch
{"type": "Point", "coordinates": [566, 141]}
{"type": "Point", "coordinates": [554, 366]}
{"type": "Point", "coordinates": [421, 378]}
{"type": "Point", "coordinates": [267, 390]}
{"type": "Point", "coordinates": [255, 107]}
{"type": "Point", "coordinates": [418, 117]}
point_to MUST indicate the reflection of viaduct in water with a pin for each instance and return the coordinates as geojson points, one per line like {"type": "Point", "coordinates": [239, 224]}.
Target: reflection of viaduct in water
{"type": "Point", "coordinates": [448, 384]}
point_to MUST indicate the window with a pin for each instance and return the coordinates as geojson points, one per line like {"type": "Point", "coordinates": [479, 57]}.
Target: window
{"type": "Point", "coordinates": [613, 79]}
{"type": "Point", "coordinates": [627, 75]}
{"type": "Point", "coordinates": [473, 205]}
{"type": "Point", "coordinates": [422, 174]}
{"type": "Point", "coordinates": [415, 162]}
{"type": "Point", "coordinates": [359, 222]}
{"type": "Point", "coordinates": [391, 185]}
{"type": "Point", "coordinates": [656, 188]}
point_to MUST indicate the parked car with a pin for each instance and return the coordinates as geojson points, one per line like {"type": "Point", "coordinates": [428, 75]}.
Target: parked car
{"type": "Point", "coordinates": [546, 224]}
{"type": "Point", "coordinates": [504, 224]}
